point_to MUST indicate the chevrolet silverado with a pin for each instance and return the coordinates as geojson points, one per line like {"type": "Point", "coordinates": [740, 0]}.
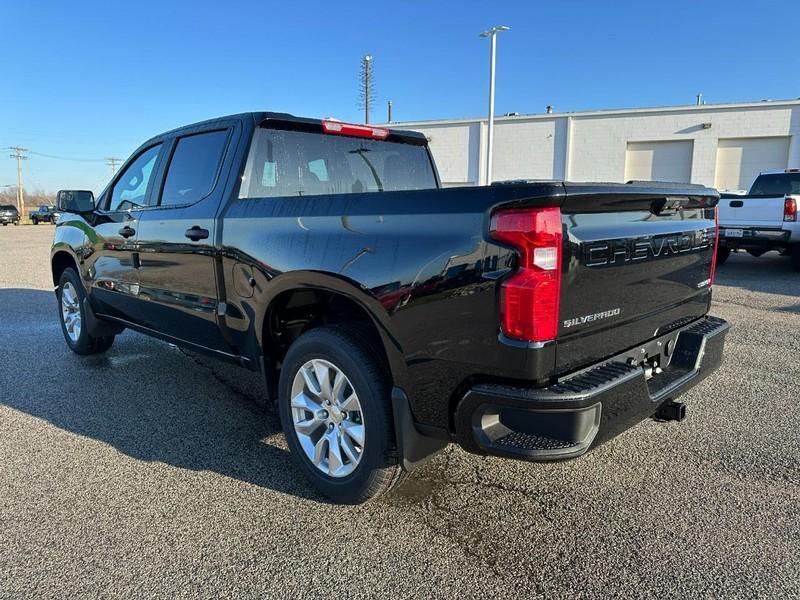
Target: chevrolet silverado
{"type": "Point", "coordinates": [389, 317]}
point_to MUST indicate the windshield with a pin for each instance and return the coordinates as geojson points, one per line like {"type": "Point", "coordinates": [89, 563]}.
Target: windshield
{"type": "Point", "coordinates": [298, 163]}
{"type": "Point", "coordinates": [778, 184]}
{"type": "Point", "coordinates": [8, 207]}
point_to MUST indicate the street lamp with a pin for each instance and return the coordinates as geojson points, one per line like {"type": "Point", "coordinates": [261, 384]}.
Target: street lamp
{"type": "Point", "coordinates": [492, 34]}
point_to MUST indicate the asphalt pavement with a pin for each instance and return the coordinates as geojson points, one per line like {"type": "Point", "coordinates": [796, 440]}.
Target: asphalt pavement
{"type": "Point", "coordinates": [152, 472]}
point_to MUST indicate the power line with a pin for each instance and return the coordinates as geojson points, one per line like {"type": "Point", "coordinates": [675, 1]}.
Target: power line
{"type": "Point", "coordinates": [67, 157]}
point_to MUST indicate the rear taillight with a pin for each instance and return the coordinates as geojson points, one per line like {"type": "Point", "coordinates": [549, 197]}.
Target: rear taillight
{"type": "Point", "coordinates": [529, 298]}
{"type": "Point", "coordinates": [790, 209]}
{"type": "Point", "coordinates": [367, 131]}
{"type": "Point", "coordinates": [716, 245]}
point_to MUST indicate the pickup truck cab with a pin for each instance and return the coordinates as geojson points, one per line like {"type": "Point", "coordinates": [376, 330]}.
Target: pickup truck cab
{"type": "Point", "coordinates": [764, 219]}
{"type": "Point", "coordinates": [43, 214]}
{"type": "Point", "coordinates": [528, 319]}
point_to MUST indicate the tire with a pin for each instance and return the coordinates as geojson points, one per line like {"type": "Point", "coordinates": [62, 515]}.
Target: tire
{"type": "Point", "coordinates": [794, 257]}
{"type": "Point", "coordinates": [345, 350]}
{"type": "Point", "coordinates": [80, 342]}
{"type": "Point", "coordinates": [722, 255]}
{"type": "Point", "coordinates": [34, 221]}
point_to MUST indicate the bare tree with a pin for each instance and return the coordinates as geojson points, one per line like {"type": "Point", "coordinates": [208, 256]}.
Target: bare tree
{"type": "Point", "coordinates": [35, 198]}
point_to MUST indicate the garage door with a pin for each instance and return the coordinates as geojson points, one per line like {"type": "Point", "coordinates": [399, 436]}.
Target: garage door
{"type": "Point", "coordinates": [739, 160]}
{"type": "Point", "coordinates": [659, 161]}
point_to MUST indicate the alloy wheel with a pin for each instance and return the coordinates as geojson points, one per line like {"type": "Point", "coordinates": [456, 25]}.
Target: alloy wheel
{"type": "Point", "coordinates": [327, 417]}
{"type": "Point", "coordinates": [71, 312]}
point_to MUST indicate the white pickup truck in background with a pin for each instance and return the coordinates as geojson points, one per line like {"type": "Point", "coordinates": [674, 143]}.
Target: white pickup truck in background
{"type": "Point", "coordinates": [764, 219]}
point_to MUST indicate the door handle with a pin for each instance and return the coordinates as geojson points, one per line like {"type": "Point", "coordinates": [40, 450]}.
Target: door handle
{"type": "Point", "coordinates": [127, 232]}
{"type": "Point", "coordinates": [196, 233]}
{"type": "Point", "coordinates": [737, 204]}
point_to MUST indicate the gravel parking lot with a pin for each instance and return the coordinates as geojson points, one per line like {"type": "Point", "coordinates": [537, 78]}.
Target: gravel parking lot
{"type": "Point", "coordinates": [153, 472]}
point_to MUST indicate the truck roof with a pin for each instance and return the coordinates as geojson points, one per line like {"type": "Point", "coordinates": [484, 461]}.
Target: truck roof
{"type": "Point", "coordinates": [293, 121]}
{"type": "Point", "coordinates": [779, 172]}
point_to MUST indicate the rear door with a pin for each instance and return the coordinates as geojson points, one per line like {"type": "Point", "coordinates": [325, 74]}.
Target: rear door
{"type": "Point", "coordinates": [637, 264]}
{"type": "Point", "coordinates": [176, 237]}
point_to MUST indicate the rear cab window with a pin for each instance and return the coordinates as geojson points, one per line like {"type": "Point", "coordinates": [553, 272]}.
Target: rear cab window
{"type": "Point", "coordinates": [301, 163]}
{"type": "Point", "coordinates": [776, 184]}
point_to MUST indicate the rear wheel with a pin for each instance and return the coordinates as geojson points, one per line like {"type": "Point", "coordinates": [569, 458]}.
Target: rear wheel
{"type": "Point", "coordinates": [72, 315]}
{"type": "Point", "coordinates": [722, 255]}
{"type": "Point", "coordinates": [334, 403]}
{"type": "Point", "coordinates": [35, 221]}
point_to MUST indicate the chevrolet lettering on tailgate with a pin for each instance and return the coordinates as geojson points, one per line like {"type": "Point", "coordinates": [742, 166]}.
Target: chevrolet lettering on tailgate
{"type": "Point", "coordinates": [604, 253]}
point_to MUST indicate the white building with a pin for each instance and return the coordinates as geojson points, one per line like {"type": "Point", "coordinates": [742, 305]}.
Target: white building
{"type": "Point", "coordinates": [720, 145]}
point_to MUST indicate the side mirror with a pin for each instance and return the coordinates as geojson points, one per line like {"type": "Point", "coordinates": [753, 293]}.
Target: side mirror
{"type": "Point", "coordinates": [75, 201]}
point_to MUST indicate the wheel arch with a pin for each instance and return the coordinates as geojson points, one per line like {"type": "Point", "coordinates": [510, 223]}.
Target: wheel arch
{"type": "Point", "coordinates": [302, 300]}
{"type": "Point", "coordinates": [60, 260]}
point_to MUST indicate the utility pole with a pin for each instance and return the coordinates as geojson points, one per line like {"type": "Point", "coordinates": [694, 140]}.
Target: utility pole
{"type": "Point", "coordinates": [367, 85]}
{"type": "Point", "coordinates": [113, 162]}
{"type": "Point", "coordinates": [389, 111]}
{"type": "Point", "coordinates": [492, 35]}
{"type": "Point", "coordinates": [19, 154]}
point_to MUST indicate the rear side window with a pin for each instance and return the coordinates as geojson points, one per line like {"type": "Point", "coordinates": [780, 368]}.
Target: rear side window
{"type": "Point", "coordinates": [194, 167]}
{"type": "Point", "coordinates": [778, 184]}
{"type": "Point", "coordinates": [299, 163]}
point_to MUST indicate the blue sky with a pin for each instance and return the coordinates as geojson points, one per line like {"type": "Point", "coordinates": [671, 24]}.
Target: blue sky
{"type": "Point", "coordinates": [85, 80]}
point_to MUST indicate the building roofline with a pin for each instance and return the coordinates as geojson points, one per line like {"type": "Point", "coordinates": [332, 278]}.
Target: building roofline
{"type": "Point", "coordinates": [606, 112]}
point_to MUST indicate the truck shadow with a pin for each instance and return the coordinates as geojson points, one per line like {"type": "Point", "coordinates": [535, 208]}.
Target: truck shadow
{"type": "Point", "coordinates": [145, 398]}
{"type": "Point", "coordinates": [769, 273]}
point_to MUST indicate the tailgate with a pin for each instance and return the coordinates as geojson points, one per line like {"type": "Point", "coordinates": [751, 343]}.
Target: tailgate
{"type": "Point", "coordinates": [637, 263]}
{"type": "Point", "coordinates": [746, 210]}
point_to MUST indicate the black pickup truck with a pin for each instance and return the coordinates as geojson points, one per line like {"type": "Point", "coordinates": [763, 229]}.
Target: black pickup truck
{"type": "Point", "coordinates": [526, 319]}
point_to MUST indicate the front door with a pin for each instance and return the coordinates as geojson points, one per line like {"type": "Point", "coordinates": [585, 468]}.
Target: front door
{"type": "Point", "coordinates": [177, 253]}
{"type": "Point", "coordinates": [112, 265]}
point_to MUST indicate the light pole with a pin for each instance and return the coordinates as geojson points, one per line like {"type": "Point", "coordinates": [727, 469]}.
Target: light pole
{"type": "Point", "coordinates": [492, 34]}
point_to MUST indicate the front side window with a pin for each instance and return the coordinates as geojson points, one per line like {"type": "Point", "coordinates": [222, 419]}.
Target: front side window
{"type": "Point", "coordinates": [299, 163]}
{"type": "Point", "coordinates": [130, 191]}
{"type": "Point", "coordinates": [193, 168]}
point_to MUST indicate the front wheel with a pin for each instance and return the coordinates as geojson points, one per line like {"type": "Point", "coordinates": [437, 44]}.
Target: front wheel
{"type": "Point", "coordinates": [34, 221]}
{"type": "Point", "coordinates": [72, 316]}
{"type": "Point", "coordinates": [335, 409]}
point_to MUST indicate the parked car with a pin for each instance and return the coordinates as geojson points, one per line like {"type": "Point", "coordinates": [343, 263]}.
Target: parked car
{"type": "Point", "coordinates": [9, 214]}
{"type": "Point", "coordinates": [389, 317]}
{"type": "Point", "coordinates": [43, 214]}
{"type": "Point", "coordinates": [765, 219]}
